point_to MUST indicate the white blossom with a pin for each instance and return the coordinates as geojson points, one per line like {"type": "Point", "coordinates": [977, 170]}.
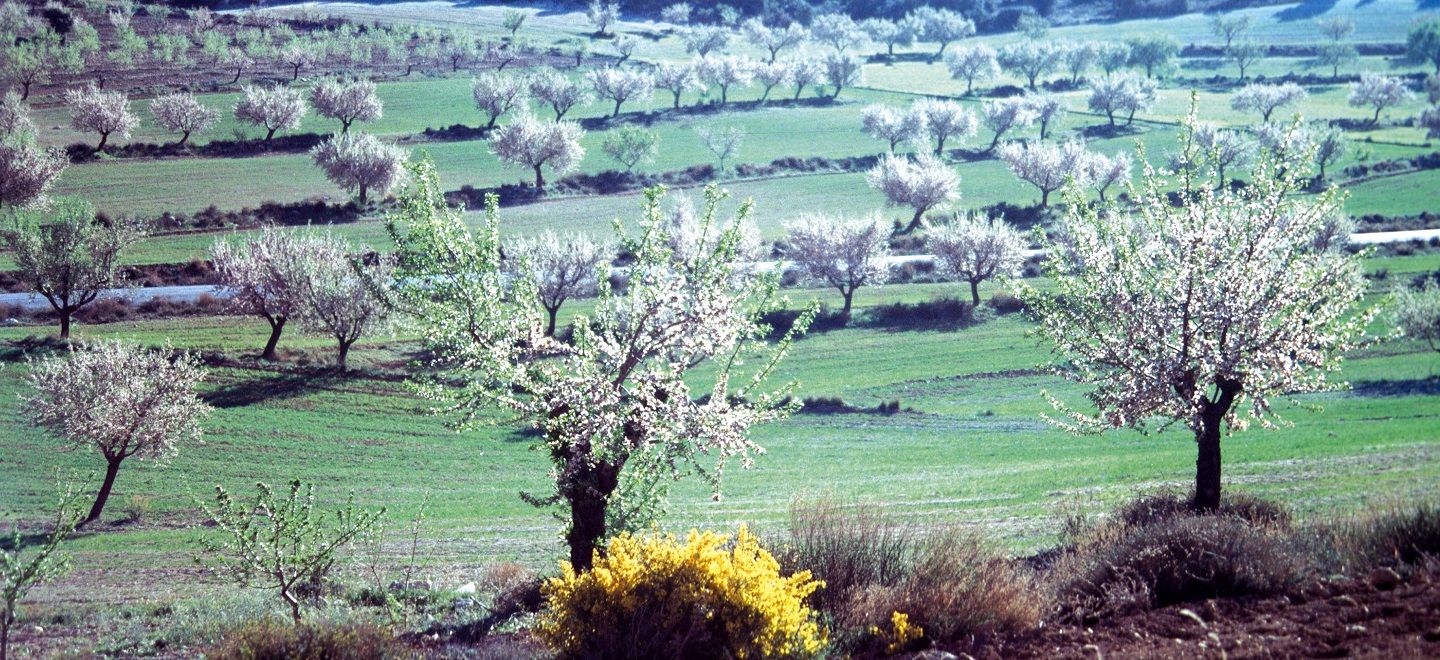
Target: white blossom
{"type": "Point", "coordinates": [923, 185]}
{"type": "Point", "coordinates": [945, 120]}
{"type": "Point", "coordinates": [96, 111]}
{"type": "Point", "coordinates": [1379, 92]}
{"type": "Point", "coordinates": [347, 102]}
{"type": "Point", "coordinates": [182, 113]}
{"type": "Point", "coordinates": [1266, 99]}
{"type": "Point", "coordinates": [973, 249]}
{"type": "Point", "coordinates": [496, 94]}
{"type": "Point", "coordinates": [274, 108]}
{"type": "Point", "coordinates": [530, 142]}
{"type": "Point", "coordinates": [843, 254]}
{"type": "Point", "coordinates": [360, 162]}
{"type": "Point", "coordinates": [891, 125]}
{"type": "Point", "coordinates": [978, 62]}
{"type": "Point", "coordinates": [620, 85]}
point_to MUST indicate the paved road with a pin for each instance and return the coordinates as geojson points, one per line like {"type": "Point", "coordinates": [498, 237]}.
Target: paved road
{"type": "Point", "coordinates": [191, 293]}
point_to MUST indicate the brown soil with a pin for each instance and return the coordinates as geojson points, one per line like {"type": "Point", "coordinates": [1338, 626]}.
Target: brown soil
{"type": "Point", "coordinates": [1365, 618]}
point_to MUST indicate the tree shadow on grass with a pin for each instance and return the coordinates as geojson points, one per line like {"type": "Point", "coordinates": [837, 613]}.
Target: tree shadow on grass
{"type": "Point", "coordinates": [251, 391]}
{"type": "Point", "coordinates": [1305, 10]}
{"type": "Point", "coordinates": [1396, 388]}
{"type": "Point", "coordinates": [941, 314]}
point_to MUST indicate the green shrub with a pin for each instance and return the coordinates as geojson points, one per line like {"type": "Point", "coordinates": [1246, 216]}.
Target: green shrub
{"type": "Point", "coordinates": [272, 639]}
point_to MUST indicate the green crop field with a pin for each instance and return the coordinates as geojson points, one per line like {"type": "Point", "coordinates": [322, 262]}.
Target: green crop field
{"type": "Point", "coordinates": [970, 444]}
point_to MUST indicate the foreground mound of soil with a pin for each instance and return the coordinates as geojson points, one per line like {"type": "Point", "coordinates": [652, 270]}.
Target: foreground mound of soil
{"type": "Point", "coordinates": [1383, 615]}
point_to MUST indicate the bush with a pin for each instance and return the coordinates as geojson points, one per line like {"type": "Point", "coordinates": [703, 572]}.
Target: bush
{"type": "Point", "coordinates": [1396, 533]}
{"type": "Point", "coordinates": [942, 313]}
{"type": "Point", "coordinates": [655, 597]}
{"type": "Point", "coordinates": [1005, 303]}
{"type": "Point", "coordinates": [270, 639]}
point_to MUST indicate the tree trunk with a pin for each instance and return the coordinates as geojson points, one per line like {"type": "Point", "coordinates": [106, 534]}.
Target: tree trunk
{"type": "Point", "coordinates": [269, 134]}
{"type": "Point", "coordinates": [766, 95]}
{"type": "Point", "coordinates": [915, 221]}
{"type": "Point", "coordinates": [362, 194]}
{"type": "Point", "coordinates": [975, 292]}
{"type": "Point", "coordinates": [539, 180]}
{"type": "Point", "coordinates": [969, 86]}
{"type": "Point", "coordinates": [112, 468]}
{"type": "Point", "coordinates": [340, 357]}
{"type": "Point", "coordinates": [491, 124]}
{"type": "Point", "coordinates": [236, 79]}
{"type": "Point", "coordinates": [940, 146]}
{"type": "Point", "coordinates": [617, 110]}
{"type": "Point", "coordinates": [1044, 126]}
{"type": "Point", "coordinates": [5, 634]}
{"type": "Point", "coordinates": [1044, 198]}
{"type": "Point", "coordinates": [104, 137]}
{"type": "Point", "coordinates": [677, 99]}
{"type": "Point", "coordinates": [294, 604]}
{"type": "Point", "coordinates": [277, 326]}
{"type": "Point", "coordinates": [345, 125]}
{"type": "Point", "coordinates": [25, 91]}
{"type": "Point", "coordinates": [1207, 462]}
{"type": "Point", "coordinates": [558, 113]}
{"type": "Point", "coordinates": [799, 89]}
{"type": "Point", "coordinates": [849, 295]}
{"type": "Point", "coordinates": [1111, 115]}
{"type": "Point", "coordinates": [65, 323]}
{"type": "Point", "coordinates": [550, 327]}
{"type": "Point", "coordinates": [295, 73]}
{"type": "Point", "coordinates": [1131, 119]}
{"type": "Point", "coordinates": [408, 68]}
{"type": "Point", "coordinates": [724, 93]}
{"type": "Point", "coordinates": [1376, 119]}
{"type": "Point", "coordinates": [183, 139]}
{"type": "Point", "coordinates": [589, 498]}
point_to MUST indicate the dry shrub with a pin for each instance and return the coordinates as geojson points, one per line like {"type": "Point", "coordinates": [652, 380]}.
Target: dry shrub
{"type": "Point", "coordinates": [948, 581]}
{"type": "Point", "coordinates": [1392, 533]}
{"type": "Point", "coordinates": [1156, 551]}
{"type": "Point", "coordinates": [271, 639]}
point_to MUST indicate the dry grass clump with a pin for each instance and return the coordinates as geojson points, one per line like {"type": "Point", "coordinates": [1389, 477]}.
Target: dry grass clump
{"type": "Point", "coordinates": [1392, 533]}
{"type": "Point", "coordinates": [948, 581]}
{"type": "Point", "coordinates": [272, 639]}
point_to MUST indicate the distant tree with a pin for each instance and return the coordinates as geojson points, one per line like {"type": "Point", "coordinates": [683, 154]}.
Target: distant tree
{"type": "Point", "coordinates": [1228, 28]}
{"type": "Point", "coordinates": [120, 400]}
{"type": "Point", "coordinates": [723, 142]}
{"type": "Point", "coordinates": [1429, 120]}
{"type": "Point", "coordinates": [1047, 108]}
{"type": "Point", "coordinates": [66, 256]}
{"type": "Point", "coordinates": [94, 111]}
{"type": "Point", "coordinates": [705, 39]}
{"type": "Point", "coordinates": [1154, 336]}
{"type": "Point", "coordinates": [513, 20]}
{"type": "Point", "coordinates": [631, 145]}
{"type": "Point", "coordinates": [805, 72]}
{"type": "Point", "coordinates": [339, 300]}
{"type": "Point", "coordinates": [496, 94]}
{"type": "Point", "coordinates": [1422, 43]}
{"type": "Point", "coordinates": [844, 254]}
{"type": "Point", "coordinates": [1330, 146]}
{"type": "Point", "coordinates": [558, 91]}
{"type": "Point", "coordinates": [624, 45]}
{"type": "Point", "coordinates": [1121, 92]}
{"type": "Point", "coordinates": [1104, 171]}
{"type": "Point", "coordinates": [1244, 54]}
{"type": "Point", "coordinates": [559, 268]}
{"type": "Point", "coordinates": [978, 62]}
{"type": "Point", "coordinates": [1035, 28]}
{"type": "Point", "coordinates": [620, 85]}
{"type": "Point", "coordinates": [274, 108]}
{"type": "Point", "coordinates": [530, 142]}
{"type": "Point", "coordinates": [266, 275]}
{"type": "Point", "coordinates": [725, 71]}
{"type": "Point", "coordinates": [774, 40]}
{"type": "Point", "coordinates": [924, 185]}
{"type": "Point", "coordinates": [1046, 166]}
{"type": "Point", "coordinates": [602, 15]}
{"type": "Point", "coordinates": [298, 55]}
{"type": "Point", "coordinates": [891, 33]}
{"type": "Point", "coordinates": [1335, 51]}
{"type": "Point", "coordinates": [890, 124]}
{"type": "Point", "coordinates": [1266, 99]}
{"type": "Point", "coordinates": [1379, 92]}
{"type": "Point", "coordinates": [346, 102]}
{"type": "Point", "coordinates": [182, 113]}
{"type": "Point", "coordinates": [771, 75]}
{"type": "Point", "coordinates": [1112, 56]}
{"type": "Point", "coordinates": [27, 63]}
{"type": "Point", "coordinates": [360, 162]}
{"type": "Point", "coordinates": [841, 71]}
{"type": "Point", "coordinates": [1078, 58]}
{"type": "Point", "coordinates": [837, 30]}
{"type": "Point", "coordinates": [942, 26]}
{"type": "Point", "coordinates": [1004, 115]}
{"type": "Point", "coordinates": [1417, 313]}
{"type": "Point", "coordinates": [689, 235]}
{"type": "Point", "coordinates": [1155, 54]}
{"type": "Point", "coordinates": [678, 13]}
{"type": "Point", "coordinates": [458, 48]}
{"type": "Point", "coordinates": [974, 249]}
{"type": "Point", "coordinates": [944, 120]}
{"type": "Point", "coordinates": [1029, 59]}
{"type": "Point", "coordinates": [14, 115]}
{"type": "Point", "coordinates": [1222, 149]}
{"type": "Point", "coordinates": [678, 78]}
{"type": "Point", "coordinates": [27, 169]}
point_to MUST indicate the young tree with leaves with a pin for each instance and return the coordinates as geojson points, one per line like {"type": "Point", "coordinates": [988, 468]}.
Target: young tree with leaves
{"type": "Point", "coordinates": [1417, 313]}
{"type": "Point", "coordinates": [23, 568]}
{"type": "Point", "coordinates": [1245, 54]}
{"type": "Point", "coordinates": [974, 249]}
{"type": "Point", "coordinates": [722, 141]}
{"type": "Point", "coordinates": [1154, 54]}
{"type": "Point", "coordinates": [843, 254]}
{"type": "Point", "coordinates": [1029, 60]}
{"type": "Point", "coordinates": [120, 400]}
{"type": "Point", "coordinates": [1200, 312]}
{"type": "Point", "coordinates": [631, 145]}
{"type": "Point", "coordinates": [618, 417]}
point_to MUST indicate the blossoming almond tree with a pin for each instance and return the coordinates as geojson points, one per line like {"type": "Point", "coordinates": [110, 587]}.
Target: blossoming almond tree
{"type": "Point", "coordinates": [266, 274]}
{"type": "Point", "coordinates": [924, 185]}
{"type": "Point", "coordinates": [530, 142]}
{"type": "Point", "coordinates": [845, 254]}
{"type": "Point", "coordinates": [120, 400]}
{"type": "Point", "coordinates": [614, 405]}
{"type": "Point", "coordinates": [182, 113]}
{"type": "Point", "coordinates": [100, 112]}
{"type": "Point", "coordinates": [1202, 312]}
{"type": "Point", "coordinates": [975, 249]}
{"type": "Point", "coordinates": [347, 102]}
{"type": "Point", "coordinates": [561, 267]}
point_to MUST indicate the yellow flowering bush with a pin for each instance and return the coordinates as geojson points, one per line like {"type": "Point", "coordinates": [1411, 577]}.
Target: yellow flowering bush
{"type": "Point", "coordinates": [652, 596]}
{"type": "Point", "coordinates": [901, 635]}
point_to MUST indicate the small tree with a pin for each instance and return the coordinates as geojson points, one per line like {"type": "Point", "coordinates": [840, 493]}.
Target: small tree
{"type": "Point", "coordinates": [21, 571]}
{"type": "Point", "coordinates": [339, 299]}
{"type": "Point", "coordinates": [1429, 120]}
{"type": "Point", "coordinates": [27, 169]}
{"type": "Point", "coordinates": [1155, 54]}
{"type": "Point", "coordinates": [618, 419]}
{"type": "Point", "coordinates": [266, 275]}
{"type": "Point", "coordinates": [274, 108]}
{"type": "Point", "coordinates": [624, 46]}
{"type": "Point", "coordinates": [1104, 171]}
{"type": "Point", "coordinates": [1005, 115]}
{"type": "Point", "coordinates": [1048, 108]}
{"type": "Point", "coordinates": [602, 15]}
{"type": "Point", "coordinates": [280, 543]}
{"type": "Point", "coordinates": [1266, 99]}
{"type": "Point", "coordinates": [120, 400]}
{"type": "Point", "coordinates": [182, 113]}
{"type": "Point", "coordinates": [1121, 92]}
{"type": "Point", "coordinates": [560, 268]}
{"type": "Point", "coordinates": [1029, 59]}
{"type": "Point", "coordinates": [973, 249]}
{"type": "Point", "coordinates": [346, 102]}
{"type": "Point", "coordinates": [890, 124]}
{"type": "Point", "coordinates": [676, 14]}
{"type": "Point", "coordinates": [1112, 56]}
{"type": "Point", "coordinates": [65, 255]}
{"type": "Point", "coordinates": [1199, 312]}
{"type": "Point", "coordinates": [1078, 57]}
{"type": "Point", "coordinates": [774, 40]}
{"type": "Point", "coordinates": [1422, 42]}
{"type": "Point", "coordinates": [1330, 146]}
{"type": "Point", "coordinates": [1379, 92]}
{"type": "Point", "coordinates": [771, 75]}
{"type": "Point", "coordinates": [298, 55]}
{"type": "Point", "coordinates": [891, 33]}
{"type": "Point", "coordinates": [632, 145]}
{"type": "Point", "coordinates": [978, 62]}
{"type": "Point", "coordinates": [496, 94]}
{"type": "Point", "coordinates": [922, 185]}
{"type": "Point", "coordinates": [805, 72]}
{"type": "Point", "coordinates": [1228, 28]}
{"type": "Point", "coordinates": [844, 254]}
{"type": "Point", "coordinates": [722, 141]}
{"type": "Point", "coordinates": [705, 39]}
{"type": "Point", "coordinates": [558, 91]}
{"type": "Point", "coordinates": [837, 30]}
{"type": "Point", "coordinates": [944, 120]}
{"type": "Point", "coordinates": [1417, 313]}
{"type": "Point", "coordinates": [360, 162]}
{"type": "Point", "coordinates": [94, 111]}
{"type": "Point", "coordinates": [1224, 148]}
{"type": "Point", "coordinates": [1244, 54]}
{"type": "Point", "coordinates": [841, 71]}
{"type": "Point", "coordinates": [620, 85]}
{"type": "Point", "coordinates": [942, 26]}
{"type": "Point", "coordinates": [513, 20]}
{"type": "Point", "coordinates": [725, 71]}
{"type": "Point", "coordinates": [1045, 165]}
{"type": "Point", "coordinates": [529, 142]}
{"type": "Point", "coordinates": [678, 78]}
